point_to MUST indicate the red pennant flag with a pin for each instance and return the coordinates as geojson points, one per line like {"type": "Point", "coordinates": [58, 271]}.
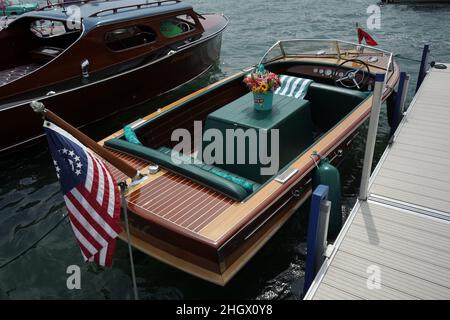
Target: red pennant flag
{"type": "Point", "coordinates": [364, 35]}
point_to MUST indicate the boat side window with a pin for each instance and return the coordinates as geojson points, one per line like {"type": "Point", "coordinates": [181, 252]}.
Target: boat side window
{"type": "Point", "coordinates": [178, 25]}
{"type": "Point", "coordinates": [129, 37]}
{"type": "Point", "coordinates": [47, 28]}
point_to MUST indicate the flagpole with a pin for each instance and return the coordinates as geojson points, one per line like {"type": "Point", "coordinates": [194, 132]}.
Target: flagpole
{"type": "Point", "coordinates": [123, 186]}
{"type": "Point", "coordinates": [120, 164]}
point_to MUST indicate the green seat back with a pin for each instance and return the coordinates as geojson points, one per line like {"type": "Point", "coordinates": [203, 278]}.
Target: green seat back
{"type": "Point", "coordinates": [330, 104]}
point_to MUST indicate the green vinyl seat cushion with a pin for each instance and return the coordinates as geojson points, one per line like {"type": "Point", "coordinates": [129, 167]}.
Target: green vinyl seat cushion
{"type": "Point", "coordinates": [330, 104]}
{"type": "Point", "coordinates": [187, 169]}
{"type": "Point", "coordinates": [248, 185]}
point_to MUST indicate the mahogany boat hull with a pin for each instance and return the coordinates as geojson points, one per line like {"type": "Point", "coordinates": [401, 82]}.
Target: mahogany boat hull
{"type": "Point", "coordinates": [93, 101]}
{"type": "Point", "coordinates": [191, 226]}
{"type": "Point", "coordinates": [219, 262]}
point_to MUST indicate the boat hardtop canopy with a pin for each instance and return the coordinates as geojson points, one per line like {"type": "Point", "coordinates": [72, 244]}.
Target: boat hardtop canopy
{"type": "Point", "coordinates": [102, 12]}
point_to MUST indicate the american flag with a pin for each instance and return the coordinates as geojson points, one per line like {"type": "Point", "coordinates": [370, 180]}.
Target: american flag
{"type": "Point", "coordinates": [91, 195]}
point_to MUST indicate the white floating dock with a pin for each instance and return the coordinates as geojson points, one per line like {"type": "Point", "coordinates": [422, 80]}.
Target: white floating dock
{"type": "Point", "coordinates": [396, 245]}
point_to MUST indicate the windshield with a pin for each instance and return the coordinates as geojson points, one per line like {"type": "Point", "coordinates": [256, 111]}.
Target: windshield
{"type": "Point", "coordinates": [47, 28]}
{"type": "Point", "coordinates": [318, 48]}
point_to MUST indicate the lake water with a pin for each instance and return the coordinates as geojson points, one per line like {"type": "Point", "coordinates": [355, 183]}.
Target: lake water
{"type": "Point", "coordinates": [31, 204]}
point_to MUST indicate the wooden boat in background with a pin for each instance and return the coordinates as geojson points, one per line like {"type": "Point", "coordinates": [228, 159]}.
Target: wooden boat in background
{"type": "Point", "coordinates": [79, 70]}
{"type": "Point", "coordinates": [209, 226]}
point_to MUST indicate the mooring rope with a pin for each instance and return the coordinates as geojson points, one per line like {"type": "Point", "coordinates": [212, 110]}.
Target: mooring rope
{"type": "Point", "coordinates": [398, 56]}
{"type": "Point", "coordinates": [433, 63]}
{"type": "Point", "coordinates": [35, 243]}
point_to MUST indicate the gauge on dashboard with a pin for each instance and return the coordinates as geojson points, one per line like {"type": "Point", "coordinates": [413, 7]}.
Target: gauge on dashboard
{"type": "Point", "coordinates": [328, 72]}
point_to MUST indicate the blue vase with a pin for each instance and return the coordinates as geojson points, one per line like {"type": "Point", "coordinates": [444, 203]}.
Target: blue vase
{"type": "Point", "coordinates": [263, 102]}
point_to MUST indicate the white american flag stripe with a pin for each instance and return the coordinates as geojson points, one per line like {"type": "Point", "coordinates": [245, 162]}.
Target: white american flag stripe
{"type": "Point", "coordinates": [112, 196]}
{"type": "Point", "coordinates": [93, 213]}
{"type": "Point", "coordinates": [101, 183]}
{"type": "Point", "coordinates": [84, 242]}
{"type": "Point", "coordinates": [77, 215]}
{"type": "Point", "coordinates": [90, 172]}
{"type": "Point", "coordinates": [102, 255]}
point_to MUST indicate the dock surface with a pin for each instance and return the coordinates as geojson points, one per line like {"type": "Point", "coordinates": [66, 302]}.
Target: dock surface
{"type": "Point", "coordinates": [396, 245]}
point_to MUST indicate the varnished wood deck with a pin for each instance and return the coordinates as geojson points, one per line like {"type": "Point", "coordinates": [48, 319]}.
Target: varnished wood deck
{"type": "Point", "coordinates": [173, 198]}
{"type": "Point", "coordinates": [180, 201]}
{"type": "Point", "coordinates": [135, 163]}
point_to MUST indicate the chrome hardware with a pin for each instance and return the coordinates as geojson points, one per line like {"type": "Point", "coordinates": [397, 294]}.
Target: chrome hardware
{"type": "Point", "coordinates": [152, 169]}
{"type": "Point", "coordinates": [85, 68]}
{"type": "Point", "coordinates": [50, 93]}
{"type": "Point", "coordinates": [339, 153]}
{"type": "Point", "coordinates": [137, 123]}
{"type": "Point", "coordinates": [286, 175]}
{"type": "Point", "coordinates": [296, 193]}
{"type": "Point", "coordinates": [37, 106]}
{"type": "Point", "coordinates": [248, 69]}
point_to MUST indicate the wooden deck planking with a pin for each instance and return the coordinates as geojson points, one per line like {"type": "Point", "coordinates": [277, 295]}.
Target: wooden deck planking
{"type": "Point", "coordinates": [180, 201]}
{"type": "Point", "coordinates": [398, 230]}
{"type": "Point", "coordinates": [174, 198]}
{"type": "Point", "coordinates": [117, 174]}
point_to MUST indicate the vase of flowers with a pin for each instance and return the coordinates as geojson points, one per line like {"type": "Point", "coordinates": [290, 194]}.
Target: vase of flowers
{"type": "Point", "coordinates": [262, 83]}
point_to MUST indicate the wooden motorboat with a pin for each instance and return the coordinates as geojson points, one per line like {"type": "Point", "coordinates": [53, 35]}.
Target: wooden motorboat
{"type": "Point", "coordinates": [116, 54]}
{"type": "Point", "coordinates": [15, 7]}
{"type": "Point", "coordinates": [210, 224]}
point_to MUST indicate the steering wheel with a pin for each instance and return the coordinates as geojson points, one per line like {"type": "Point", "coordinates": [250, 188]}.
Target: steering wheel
{"type": "Point", "coordinates": [353, 78]}
{"type": "Point", "coordinates": [184, 26]}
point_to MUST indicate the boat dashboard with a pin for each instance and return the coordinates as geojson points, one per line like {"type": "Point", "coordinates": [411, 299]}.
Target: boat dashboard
{"type": "Point", "coordinates": [329, 73]}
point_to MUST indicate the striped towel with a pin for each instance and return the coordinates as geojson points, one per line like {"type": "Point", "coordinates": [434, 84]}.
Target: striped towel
{"type": "Point", "coordinates": [292, 86]}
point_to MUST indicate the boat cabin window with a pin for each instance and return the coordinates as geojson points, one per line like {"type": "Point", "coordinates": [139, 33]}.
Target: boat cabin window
{"type": "Point", "coordinates": [47, 28]}
{"type": "Point", "coordinates": [130, 37]}
{"type": "Point", "coordinates": [178, 25]}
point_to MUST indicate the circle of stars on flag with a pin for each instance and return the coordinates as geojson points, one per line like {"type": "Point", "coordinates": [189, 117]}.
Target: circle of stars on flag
{"type": "Point", "coordinates": [73, 160]}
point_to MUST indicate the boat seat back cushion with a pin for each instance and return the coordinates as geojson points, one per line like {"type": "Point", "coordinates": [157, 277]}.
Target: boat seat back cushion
{"type": "Point", "coordinates": [189, 170]}
{"type": "Point", "coordinates": [330, 104]}
{"type": "Point", "coordinates": [249, 185]}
